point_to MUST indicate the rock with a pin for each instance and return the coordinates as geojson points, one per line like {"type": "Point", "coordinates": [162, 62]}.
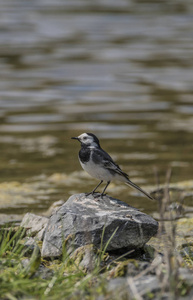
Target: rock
{"type": "Point", "coordinates": [133, 288]}
{"type": "Point", "coordinates": [29, 244]}
{"type": "Point", "coordinates": [44, 273]}
{"type": "Point", "coordinates": [86, 257]}
{"type": "Point", "coordinates": [130, 267]}
{"type": "Point", "coordinates": [85, 220]}
{"type": "Point", "coordinates": [186, 276]}
{"type": "Point", "coordinates": [53, 208]}
{"type": "Point", "coordinates": [148, 286]}
{"type": "Point", "coordinates": [35, 225]}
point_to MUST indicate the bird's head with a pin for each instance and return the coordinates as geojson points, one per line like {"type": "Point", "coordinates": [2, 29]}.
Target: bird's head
{"type": "Point", "coordinates": [88, 139]}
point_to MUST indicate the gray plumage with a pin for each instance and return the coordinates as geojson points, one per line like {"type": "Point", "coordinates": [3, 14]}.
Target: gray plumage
{"type": "Point", "coordinates": [99, 164]}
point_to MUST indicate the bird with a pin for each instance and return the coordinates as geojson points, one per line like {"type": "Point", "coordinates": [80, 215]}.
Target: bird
{"type": "Point", "coordinates": [99, 164]}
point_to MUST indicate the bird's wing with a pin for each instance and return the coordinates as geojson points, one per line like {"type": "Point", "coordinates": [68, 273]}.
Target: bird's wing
{"type": "Point", "coordinates": [102, 157]}
{"type": "Point", "coordinates": [114, 167]}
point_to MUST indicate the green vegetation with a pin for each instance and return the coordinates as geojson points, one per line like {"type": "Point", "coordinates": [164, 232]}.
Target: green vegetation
{"type": "Point", "coordinates": [162, 269]}
{"type": "Point", "coordinates": [25, 275]}
{"type": "Point", "coordinates": [20, 281]}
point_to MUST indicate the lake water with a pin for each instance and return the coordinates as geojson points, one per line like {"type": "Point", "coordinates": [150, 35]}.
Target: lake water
{"type": "Point", "coordinates": [122, 70]}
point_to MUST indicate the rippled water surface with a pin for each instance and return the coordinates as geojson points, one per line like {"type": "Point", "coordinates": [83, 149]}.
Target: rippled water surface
{"type": "Point", "coordinates": [120, 69]}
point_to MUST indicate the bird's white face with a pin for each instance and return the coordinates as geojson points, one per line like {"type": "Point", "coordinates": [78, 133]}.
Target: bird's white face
{"type": "Point", "coordinates": [86, 139]}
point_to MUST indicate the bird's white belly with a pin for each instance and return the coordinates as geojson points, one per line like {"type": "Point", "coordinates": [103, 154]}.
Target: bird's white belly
{"type": "Point", "coordinates": [97, 171]}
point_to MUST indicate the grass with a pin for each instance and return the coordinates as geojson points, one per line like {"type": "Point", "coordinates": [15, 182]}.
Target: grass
{"type": "Point", "coordinates": [20, 281]}
{"type": "Point", "coordinates": [25, 275]}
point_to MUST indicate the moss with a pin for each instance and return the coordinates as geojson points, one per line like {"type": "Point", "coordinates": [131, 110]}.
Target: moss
{"type": "Point", "coordinates": [86, 257]}
{"type": "Point", "coordinates": [186, 251]}
{"type": "Point", "coordinates": [80, 252]}
{"type": "Point", "coordinates": [149, 252]}
{"type": "Point", "coordinates": [121, 269]}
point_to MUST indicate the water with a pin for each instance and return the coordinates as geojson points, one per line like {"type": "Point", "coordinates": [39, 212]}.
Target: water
{"type": "Point", "coordinates": [122, 70]}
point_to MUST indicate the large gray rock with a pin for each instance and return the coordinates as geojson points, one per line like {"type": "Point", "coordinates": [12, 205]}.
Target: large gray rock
{"type": "Point", "coordinates": [82, 220]}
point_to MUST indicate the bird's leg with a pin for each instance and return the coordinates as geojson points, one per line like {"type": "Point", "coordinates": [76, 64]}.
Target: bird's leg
{"type": "Point", "coordinates": [103, 193]}
{"type": "Point", "coordinates": [94, 189]}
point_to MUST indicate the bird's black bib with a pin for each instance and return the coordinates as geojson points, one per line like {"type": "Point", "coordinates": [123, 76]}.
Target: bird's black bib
{"type": "Point", "coordinates": [84, 154]}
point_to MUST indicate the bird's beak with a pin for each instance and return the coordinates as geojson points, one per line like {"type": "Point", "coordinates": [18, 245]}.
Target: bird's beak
{"type": "Point", "coordinates": [75, 138]}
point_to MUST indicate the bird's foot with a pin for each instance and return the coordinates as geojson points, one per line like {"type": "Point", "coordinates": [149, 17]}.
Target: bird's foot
{"type": "Point", "coordinates": [87, 194]}
{"type": "Point", "coordinates": [91, 193]}
{"type": "Point", "coordinates": [96, 195]}
{"type": "Point", "coordinates": [99, 195]}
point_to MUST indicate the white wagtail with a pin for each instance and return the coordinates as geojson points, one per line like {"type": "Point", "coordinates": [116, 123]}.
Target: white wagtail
{"type": "Point", "coordinates": [98, 163]}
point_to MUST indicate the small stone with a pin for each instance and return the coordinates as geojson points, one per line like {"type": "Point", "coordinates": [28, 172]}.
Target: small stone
{"type": "Point", "coordinates": [35, 225]}
{"type": "Point", "coordinates": [124, 286]}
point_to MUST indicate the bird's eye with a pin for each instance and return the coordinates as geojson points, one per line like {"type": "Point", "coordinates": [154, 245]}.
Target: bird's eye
{"type": "Point", "coordinates": [84, 138]}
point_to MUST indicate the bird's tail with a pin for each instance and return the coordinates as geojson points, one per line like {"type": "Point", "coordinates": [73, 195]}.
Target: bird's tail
{"type": "Point", "coordinates": [135, 186]}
